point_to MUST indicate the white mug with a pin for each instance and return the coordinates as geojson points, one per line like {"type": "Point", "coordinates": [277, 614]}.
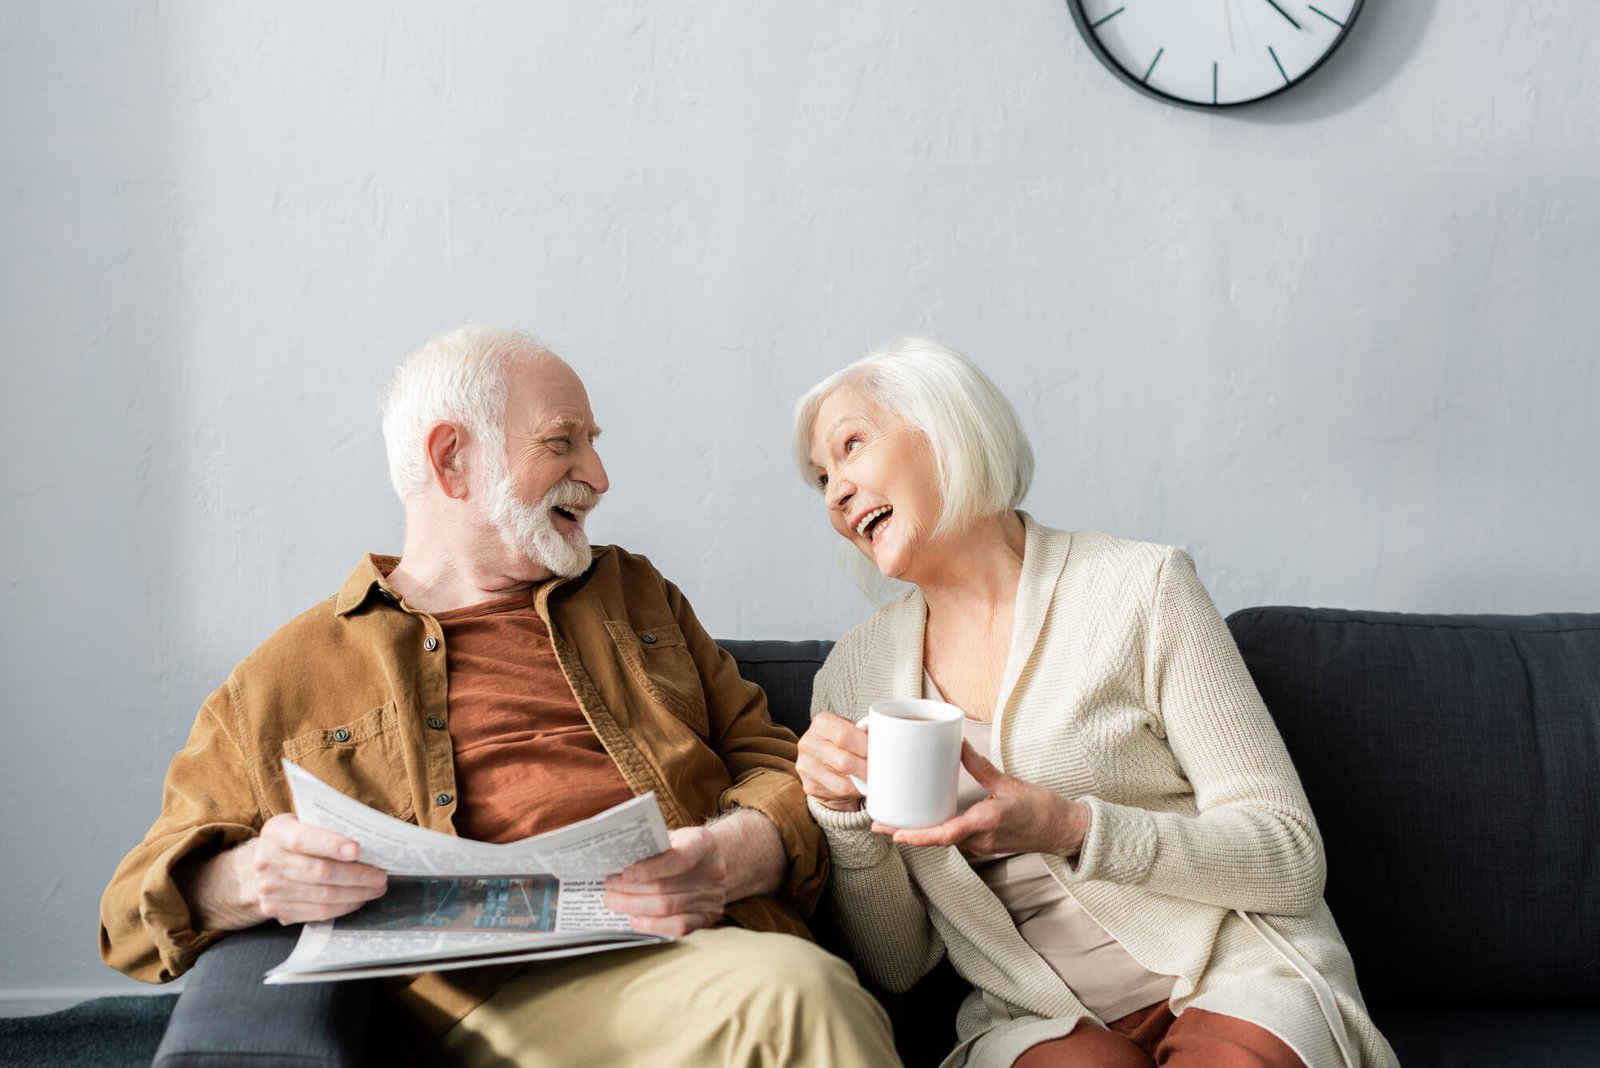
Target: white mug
{"type": "Point", "coordinates": [913, 761]}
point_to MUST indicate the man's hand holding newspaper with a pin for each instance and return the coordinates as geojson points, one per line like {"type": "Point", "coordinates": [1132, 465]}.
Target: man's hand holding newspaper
{"type": "Point", "coordinates": [455, 903]}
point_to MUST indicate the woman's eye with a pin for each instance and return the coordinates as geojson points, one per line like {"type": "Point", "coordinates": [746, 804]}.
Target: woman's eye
{"type": "Point", "coordinates": [851, 444]}
{"type": "Point", "coordinates": [822, 482]}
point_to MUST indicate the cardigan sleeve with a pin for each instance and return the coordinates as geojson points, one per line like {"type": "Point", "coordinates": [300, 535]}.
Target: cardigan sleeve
{"type": "Point", "coordinates": [883, 919]}
{"type": "Point", "coordinates": [1253, 844]}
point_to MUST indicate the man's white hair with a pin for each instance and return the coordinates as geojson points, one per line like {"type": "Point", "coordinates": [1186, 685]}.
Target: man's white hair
{"type": "Point", "coordinates": [457, 377]}
{"type": "Point", "coordinates": [984, 461]}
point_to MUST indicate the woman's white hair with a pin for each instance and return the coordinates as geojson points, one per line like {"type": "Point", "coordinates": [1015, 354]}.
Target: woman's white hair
{"type": "Point", "coordinates": [984, 461]}
{"type": "Point", "coordinates": [457, 377]}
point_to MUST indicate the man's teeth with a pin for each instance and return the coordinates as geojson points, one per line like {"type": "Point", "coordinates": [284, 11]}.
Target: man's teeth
{"type": "Point", "coordinates": [872, 517]}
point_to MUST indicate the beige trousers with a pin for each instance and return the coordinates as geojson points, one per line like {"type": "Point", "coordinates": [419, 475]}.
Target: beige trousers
{"type": "Point", "coordinates": [723, 996]}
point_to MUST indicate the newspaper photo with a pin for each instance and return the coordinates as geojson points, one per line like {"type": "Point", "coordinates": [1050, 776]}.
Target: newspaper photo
{"type": "Point", "coordinates": [455, 903]}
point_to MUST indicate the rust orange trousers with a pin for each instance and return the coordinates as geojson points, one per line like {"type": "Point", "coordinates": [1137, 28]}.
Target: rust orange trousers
{"type": "Point", "coordinates": [1152, 1036]}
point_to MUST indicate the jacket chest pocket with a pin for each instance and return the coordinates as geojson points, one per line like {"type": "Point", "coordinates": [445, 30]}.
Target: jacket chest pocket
{"type": "Point", "coordinates": [658, 660]}
{"type": "Point", "coordinates": [362, 757]}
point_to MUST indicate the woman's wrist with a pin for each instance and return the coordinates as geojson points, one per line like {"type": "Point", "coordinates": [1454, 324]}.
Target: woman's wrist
{"type": "Point", "coordinates": [1072, 828]}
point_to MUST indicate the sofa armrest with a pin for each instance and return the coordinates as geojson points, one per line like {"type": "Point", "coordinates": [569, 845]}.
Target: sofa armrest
{"type": "Point", "coordinates": [227, 1016]}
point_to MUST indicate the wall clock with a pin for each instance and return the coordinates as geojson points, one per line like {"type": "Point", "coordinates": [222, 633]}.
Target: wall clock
{"type": "Point", "coordinates": [1213, 53]}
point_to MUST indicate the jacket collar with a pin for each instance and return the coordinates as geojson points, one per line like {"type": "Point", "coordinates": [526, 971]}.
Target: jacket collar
{"type": "Point", "coordinates": [369, 579]}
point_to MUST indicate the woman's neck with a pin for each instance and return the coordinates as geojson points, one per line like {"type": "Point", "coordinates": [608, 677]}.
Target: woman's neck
{"type": "Point", "coordinates": [976, 570]}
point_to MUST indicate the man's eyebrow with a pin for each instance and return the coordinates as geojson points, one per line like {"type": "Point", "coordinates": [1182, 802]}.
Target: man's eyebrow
{"type": "Point", "coordinates": [567, 425]}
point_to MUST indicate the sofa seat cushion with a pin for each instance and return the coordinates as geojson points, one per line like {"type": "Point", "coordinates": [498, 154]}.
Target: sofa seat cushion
{"type": "Point", "coordinates": [1515, 1038]}
{"type": "Point", "coordinates": [228, 1017]}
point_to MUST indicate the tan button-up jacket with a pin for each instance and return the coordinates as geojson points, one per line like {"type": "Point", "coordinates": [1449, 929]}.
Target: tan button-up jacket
{"type": "Point", "coordinates": [355, 691]}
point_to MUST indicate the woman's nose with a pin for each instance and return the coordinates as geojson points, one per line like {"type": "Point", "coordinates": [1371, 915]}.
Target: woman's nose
{"type": "Point", "coordinates": [840, 491]}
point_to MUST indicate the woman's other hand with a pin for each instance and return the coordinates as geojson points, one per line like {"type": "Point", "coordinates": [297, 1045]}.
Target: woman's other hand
{"type": "Point", "coordinates": [831, 750]}
{"type": "Point", "coordinates": [1016, 817]}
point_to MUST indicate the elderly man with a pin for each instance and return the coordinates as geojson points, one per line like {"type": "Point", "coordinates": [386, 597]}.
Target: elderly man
{"type": "Point", "coordinates": [502, 678]}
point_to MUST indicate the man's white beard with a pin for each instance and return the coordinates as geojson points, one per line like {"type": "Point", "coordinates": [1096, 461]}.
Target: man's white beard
{"type": "Point", "coordinates": [529, 529]}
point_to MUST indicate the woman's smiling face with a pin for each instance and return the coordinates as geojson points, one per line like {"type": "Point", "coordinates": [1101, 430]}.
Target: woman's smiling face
{"type": "Point", "coordinates": [878, 479]}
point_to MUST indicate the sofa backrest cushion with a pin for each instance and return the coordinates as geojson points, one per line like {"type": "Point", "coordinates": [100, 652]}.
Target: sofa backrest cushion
{"type": "Point", "coordinates": [784, 670]}
{"type": "Point", "coordinates": [1453, 763]}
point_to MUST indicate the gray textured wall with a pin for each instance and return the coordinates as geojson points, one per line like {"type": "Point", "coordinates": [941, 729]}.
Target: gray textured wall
{"type": "Point", "coordinates": [1341, 345]}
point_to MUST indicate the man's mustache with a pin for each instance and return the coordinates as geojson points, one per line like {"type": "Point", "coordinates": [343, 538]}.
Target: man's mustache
{"type": "Point", "coordinates": [570, 494]}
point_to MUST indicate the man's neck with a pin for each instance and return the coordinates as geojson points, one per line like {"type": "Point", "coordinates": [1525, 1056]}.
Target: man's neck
{"type": "Point", "coordinates": [433, 577]}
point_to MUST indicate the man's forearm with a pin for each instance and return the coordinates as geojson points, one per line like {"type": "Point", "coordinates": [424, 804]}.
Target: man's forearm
{"type": "Point", "coordinates": [215, 890]}
{"type": "Point", "coordinates": [753, 852]}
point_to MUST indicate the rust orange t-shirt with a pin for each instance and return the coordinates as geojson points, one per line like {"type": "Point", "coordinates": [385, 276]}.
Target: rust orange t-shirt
{"type": "Point", "coordinates": [526, 759]}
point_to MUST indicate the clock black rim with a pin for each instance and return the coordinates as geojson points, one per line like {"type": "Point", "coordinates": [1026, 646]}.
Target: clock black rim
{"type": "Point", "coordinates": [1087, 33]}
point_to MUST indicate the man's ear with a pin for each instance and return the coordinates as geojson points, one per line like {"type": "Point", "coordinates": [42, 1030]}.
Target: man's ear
{"type": "Point", "coordinates": [447, 463]}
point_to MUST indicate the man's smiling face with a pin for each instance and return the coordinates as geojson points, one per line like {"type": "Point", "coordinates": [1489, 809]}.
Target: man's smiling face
{"type": "Point", "coordinates": [539, 491]}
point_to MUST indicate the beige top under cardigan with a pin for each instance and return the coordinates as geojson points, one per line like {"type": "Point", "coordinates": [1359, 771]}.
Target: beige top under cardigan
{"type": "Point", "coordinates": [1123, 689]}
{"type": "Point", "coordinates": [1102, 974]}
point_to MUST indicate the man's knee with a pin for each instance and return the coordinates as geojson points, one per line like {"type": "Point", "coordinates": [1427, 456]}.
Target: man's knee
{"type": "Point", "coordinates": [750, 968]}
{"type": "Point", "coordinates": [799, 1004]}
{"type": "Point", "coordinates": [792, 968]}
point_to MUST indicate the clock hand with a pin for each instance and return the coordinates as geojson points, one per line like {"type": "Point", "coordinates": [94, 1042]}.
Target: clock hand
{"type": "Point", "coordinates": [1284, 13]}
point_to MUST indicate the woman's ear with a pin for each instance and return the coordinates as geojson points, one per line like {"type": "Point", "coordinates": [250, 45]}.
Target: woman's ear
{"type": "Point", "coordinates": [447, 463]}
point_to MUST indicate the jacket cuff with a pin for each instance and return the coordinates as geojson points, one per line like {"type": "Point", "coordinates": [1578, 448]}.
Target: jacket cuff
{"type": "Point", "coordinates": [777, 797]}
{"type": "Point", "coordinates": [165, 914]}
{"type": "Point", "coordinates": [850, 837]}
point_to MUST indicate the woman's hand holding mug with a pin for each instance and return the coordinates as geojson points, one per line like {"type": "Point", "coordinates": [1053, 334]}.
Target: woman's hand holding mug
{"type": "Point", "coordinates": [912, 745]}
{"type": "Point", "coordinates": [1017, 817]}
{"type": "Point", "coordinates": [831, 751]}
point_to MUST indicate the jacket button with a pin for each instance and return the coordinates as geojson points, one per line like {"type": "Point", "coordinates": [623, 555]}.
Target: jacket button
{"type": "Point", "coordinates": [442, 800]}
{"type": "Point", "coordinates": [341, 735]}
{"type": "Point", "coordinates": [648, 637]}
{"type": "Point", "coordinates": [430, 643]}
{"type": "Point", "coordinates": [436, 722]}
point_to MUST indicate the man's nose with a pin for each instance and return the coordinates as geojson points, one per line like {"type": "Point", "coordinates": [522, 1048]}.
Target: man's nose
{"type": "Point", "coordinates": [591, 471]}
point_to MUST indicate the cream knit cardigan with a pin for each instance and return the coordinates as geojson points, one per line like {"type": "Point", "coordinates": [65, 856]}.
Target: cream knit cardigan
{"type": "Point", "coordinates": [1123, 689]}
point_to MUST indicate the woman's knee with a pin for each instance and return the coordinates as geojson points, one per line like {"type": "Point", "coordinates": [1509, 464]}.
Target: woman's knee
{"type": "Point", "coordinates": [1086, 1046]}
{"type": "Point", "coordinates": [1204, 1039]}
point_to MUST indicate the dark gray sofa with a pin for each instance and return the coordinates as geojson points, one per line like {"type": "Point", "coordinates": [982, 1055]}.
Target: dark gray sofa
{"type": "Point", "coordinates": [1454, 766]}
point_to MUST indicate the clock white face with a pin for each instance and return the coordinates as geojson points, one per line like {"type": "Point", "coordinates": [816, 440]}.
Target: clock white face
{"type": "Point", "coordinates": [1216, 52]}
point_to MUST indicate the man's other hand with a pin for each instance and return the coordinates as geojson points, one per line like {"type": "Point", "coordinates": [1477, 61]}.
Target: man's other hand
{"type": "Point", "coordinates": [675, 892]}
{"type": "Point", "coordinates": [737, 855]}
{"type": "Point", "coordinates": [292, 873]}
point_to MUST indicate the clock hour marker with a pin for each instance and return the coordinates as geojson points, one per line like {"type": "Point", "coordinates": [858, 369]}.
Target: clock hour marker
{"type": "Point", "coordinates": [1269, 46]}
{"type": "Point", "coordinates": [1325, 15]}
{"type": "Point", "coordinates": [1153, 62]}
{"type": "Point", "coordinates": [1107, 18]}
{"type": "Point", "coordinates": [1284, 13]}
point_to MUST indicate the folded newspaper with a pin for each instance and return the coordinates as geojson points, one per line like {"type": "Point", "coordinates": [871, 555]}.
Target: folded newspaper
{"type": "Point", "coordinates": [455, 903]}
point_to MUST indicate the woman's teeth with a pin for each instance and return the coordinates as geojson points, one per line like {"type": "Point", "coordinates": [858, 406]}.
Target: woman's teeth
{"type": "Point", "coordinates": [867, 521]}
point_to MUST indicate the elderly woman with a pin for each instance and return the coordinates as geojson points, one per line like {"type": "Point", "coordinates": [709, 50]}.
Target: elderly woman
{"type": "Point", "coordinates": [1134, 876]}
